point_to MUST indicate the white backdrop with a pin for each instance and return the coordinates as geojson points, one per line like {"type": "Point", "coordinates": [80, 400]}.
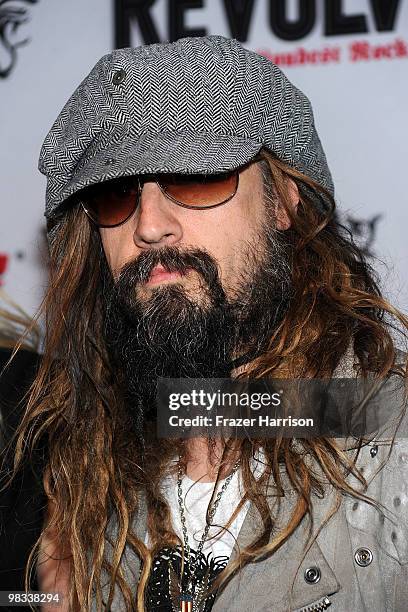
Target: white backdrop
{"type": "Point", "coordinates": [357, 83]}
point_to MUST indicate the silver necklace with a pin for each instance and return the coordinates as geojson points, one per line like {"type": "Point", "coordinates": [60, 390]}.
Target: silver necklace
{"type": "Point", "coordinates": [192, 598]}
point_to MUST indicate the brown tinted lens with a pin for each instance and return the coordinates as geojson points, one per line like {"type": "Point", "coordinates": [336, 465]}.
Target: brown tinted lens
{"type": "Point", "coordinates": [200, 190]}
{"type": "Point", "coordinates": [111, 203]}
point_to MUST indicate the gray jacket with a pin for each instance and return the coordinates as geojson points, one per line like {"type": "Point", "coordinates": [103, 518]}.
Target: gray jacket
{"type": "Point", "coordinates": [358, 562]}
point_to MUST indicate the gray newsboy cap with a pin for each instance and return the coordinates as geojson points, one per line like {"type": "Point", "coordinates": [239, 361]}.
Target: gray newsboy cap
{"type": "Point", "coordinates": [198, 105]}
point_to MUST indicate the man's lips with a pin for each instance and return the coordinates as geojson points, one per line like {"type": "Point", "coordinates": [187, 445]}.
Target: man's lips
{"type": "Point", "coordinates": [160, 274]}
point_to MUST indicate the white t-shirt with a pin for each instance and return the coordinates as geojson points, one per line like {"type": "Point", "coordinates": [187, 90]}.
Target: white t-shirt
{"type": "Point", "coordinates": [196, 497]}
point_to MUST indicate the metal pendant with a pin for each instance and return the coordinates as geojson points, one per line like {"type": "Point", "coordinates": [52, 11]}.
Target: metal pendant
{"type": "Point", "coordinates": [186, 602]}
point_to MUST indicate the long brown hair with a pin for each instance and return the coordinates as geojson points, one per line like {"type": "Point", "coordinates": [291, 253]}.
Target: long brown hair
{"type": "Point", "coordinates": [16, 326]}
{"type": "Point", "coordinates": [96, 469]}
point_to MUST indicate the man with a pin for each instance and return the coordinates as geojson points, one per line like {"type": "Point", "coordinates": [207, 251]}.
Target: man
{"type": "Point", "coordinates": [190, 216]}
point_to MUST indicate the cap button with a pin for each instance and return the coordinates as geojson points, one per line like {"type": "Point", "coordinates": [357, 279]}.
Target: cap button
{"type": "Point", "coordinates": [119, 76]}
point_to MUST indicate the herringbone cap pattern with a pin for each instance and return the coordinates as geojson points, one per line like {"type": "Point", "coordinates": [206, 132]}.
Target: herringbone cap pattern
{"type": "Point", "coordinates": [198, 105]}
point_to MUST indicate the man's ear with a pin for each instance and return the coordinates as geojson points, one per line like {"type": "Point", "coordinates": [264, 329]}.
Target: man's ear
{"type": "Point", "coordinates": [283, 221]}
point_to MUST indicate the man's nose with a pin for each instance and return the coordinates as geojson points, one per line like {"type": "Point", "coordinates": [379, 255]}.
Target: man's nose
{"type": "Point", "coordinates": [157, 224]}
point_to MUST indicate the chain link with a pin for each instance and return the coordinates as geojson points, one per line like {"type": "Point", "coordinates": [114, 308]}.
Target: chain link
{"type": "Point", "coordinates": [211, 514]}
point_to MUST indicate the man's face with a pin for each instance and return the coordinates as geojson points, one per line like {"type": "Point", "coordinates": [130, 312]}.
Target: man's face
{"type": "Point", "coordinates": [187, 292]}
{"type": "Point", "coordinates": [222, 232]}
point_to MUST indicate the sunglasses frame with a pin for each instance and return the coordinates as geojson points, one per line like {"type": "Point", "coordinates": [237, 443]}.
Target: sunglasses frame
{"type": "Point", "coordinates": [171, 198]}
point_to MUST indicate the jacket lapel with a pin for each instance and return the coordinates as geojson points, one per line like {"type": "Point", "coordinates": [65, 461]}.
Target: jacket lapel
{"type": "Point", "coordinates": [278, 581]}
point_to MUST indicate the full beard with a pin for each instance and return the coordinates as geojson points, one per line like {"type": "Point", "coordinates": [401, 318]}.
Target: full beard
{"type": "Point", "coordinates": [176, 333]}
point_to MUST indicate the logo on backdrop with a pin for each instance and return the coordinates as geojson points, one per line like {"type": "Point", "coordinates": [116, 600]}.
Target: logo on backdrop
{"type": "Point", "coordinates": [13, 14]}
{"type": "Point", "coordinates": [337, 19]}
{"type": "Point", "coordinates": [364, 232]}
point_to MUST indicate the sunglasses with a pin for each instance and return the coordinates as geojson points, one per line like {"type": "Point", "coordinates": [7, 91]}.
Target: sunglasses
{"type": "Point", "coordinates": [112, 203]}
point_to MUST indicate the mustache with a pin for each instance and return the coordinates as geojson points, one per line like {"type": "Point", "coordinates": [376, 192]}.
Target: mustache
{"type": "Point", "coordinates": [173, 259]}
